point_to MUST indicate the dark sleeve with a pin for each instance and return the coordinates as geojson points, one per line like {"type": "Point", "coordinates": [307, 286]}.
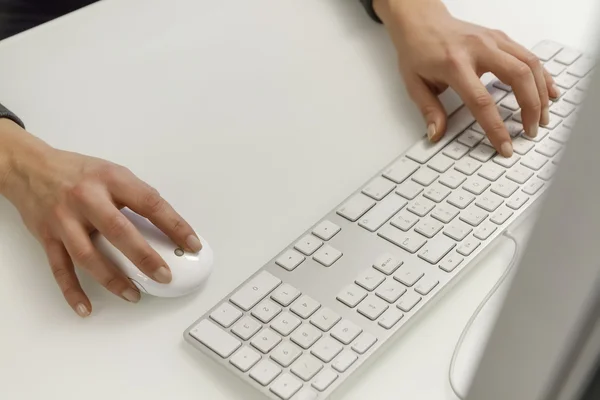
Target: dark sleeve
{"type": "Point", "coordinates": [6, 113]}
{"type": "Point", "coordinates": [368, 5]}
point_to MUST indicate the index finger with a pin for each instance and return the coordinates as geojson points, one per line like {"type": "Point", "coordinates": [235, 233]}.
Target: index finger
{"type": "Point", "coordinates": [145, 200]}
{"type": "Point", "coordinates": [476, 97]}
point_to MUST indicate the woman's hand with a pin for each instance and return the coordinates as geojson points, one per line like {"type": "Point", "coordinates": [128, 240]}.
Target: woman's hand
{"type": "Point", "coordinates": [436, 51]}
{"type": "Point", "coordinates": [63, 197]}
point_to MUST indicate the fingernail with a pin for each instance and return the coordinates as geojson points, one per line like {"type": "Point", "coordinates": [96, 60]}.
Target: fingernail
{"type": "Point", "coordinates": [506, 149]}
{"type": "Point", "coordinates": [193, 243]}
{"type": "Point", "coordinates": [545, 116]}
{"type": "Point", "coordinates": [131, 295]}
{"type": "Point", "coordinates": [556, 90]}
{"type": "Point", "coordinates": [533, 131]}
{"type": "Point", "coordinates": [431, 131]}
{"type": "Point", "coordinates": [82, 310]}
{"type": "Point", "coordinates": [163, 275]}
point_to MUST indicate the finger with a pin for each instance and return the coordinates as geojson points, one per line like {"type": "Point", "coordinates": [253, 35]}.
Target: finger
{"type": "Point", "coordinates": [64, 274]}
{"type": "Point", "coordinates": [86, 256]}
{"type": "Point", "coordinates": [144, 200]}
{"type": "Point", "coordinates": [430, 106]}
{"type": "Point", "coordinates": [520, 76]}
{"type": "Point", "coordinates": [553, 89]}
{"type": "Point", "coordinates": [534, 64]}
{"type": "Point", "coordinates": [119, 231]}
{"type": "Point", "coordinates": [476, 97]}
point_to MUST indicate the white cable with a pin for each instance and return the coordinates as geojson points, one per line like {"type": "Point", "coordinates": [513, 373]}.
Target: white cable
{"type": "Point", "coordinates": [461, 339]}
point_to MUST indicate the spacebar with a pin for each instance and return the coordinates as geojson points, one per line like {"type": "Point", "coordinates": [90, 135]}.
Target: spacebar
{"type": "Point", "coordinates": [423, 150]}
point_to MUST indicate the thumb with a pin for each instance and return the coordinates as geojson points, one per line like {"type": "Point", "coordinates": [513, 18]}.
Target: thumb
{"type": "Point", "coordinates": [430, 106]}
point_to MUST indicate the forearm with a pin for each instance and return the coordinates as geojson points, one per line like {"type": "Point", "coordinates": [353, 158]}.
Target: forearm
{"type": "Point", "coordinates": [403, 9]}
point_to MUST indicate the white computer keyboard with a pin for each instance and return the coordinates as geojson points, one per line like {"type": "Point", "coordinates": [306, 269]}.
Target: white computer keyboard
{"type": "Point", "coordinates": [322, 308]}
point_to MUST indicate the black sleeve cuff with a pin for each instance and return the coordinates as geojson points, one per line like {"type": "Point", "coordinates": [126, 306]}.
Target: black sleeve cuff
{"type": "Point", "coordinates": [368, 5]}
{"type": "Point", "coordinates": [6, 113]}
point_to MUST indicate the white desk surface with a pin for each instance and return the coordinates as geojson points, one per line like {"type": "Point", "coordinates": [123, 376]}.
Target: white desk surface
{"type": "Point", "coordinates": [254, 118]}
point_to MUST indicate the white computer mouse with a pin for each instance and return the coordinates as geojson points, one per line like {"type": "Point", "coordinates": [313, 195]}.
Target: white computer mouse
{"type": "Point", "coordinates": [189, 270]}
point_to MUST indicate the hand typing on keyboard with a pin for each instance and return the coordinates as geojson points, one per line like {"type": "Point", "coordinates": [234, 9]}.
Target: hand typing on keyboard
{"type": "Point", "coordinates": [437, 51]}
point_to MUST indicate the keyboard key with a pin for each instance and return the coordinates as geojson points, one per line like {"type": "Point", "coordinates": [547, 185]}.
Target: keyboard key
{"type": "Point", "coordinates": [344, 361]}
{"type": "Point", "coordinates": [547, 172]}
{"type": "Point", "coordinates": [426, 286]}
{"type": "Point", "coordinates": [456, 150]}
{"type": "Point", "coordinates": [409, 241]}
{"type": "Point", "coordinates": [491, 171]}
{"type": "Point", "coordinates": [562, 108]}
{"type": "Point", "coordinates": [408, 301]}
{"type": "Point", "coordinates": [327, 255]}
{"type": "Point", "coordinates": [450, 263]}
{"type": "Point", "coordinates": [390, 318]}
{"type": "Point", "coordinates": [246, 327]}
{"type": "Point", "coordinates": [213, 337]}
{"type": "Point", "coordinates": [467, 166]}
{"type": "Point", "coordinates": [581, 67]}
{"type": "Point", "coordinates": [567, 56]}
{"type": "Point", "coordinates": [482, 152]}
{"type": "Point", "coordinates": [285, 294]}
{"type": "Point", "coordinates": [324, 319]}
{"type": "Point", "coordinates": [575, 97]}
{"type": "Point", "coordinates": [290, 260]}
{"type": "Point", "coordinates": [476, 185]}
{"type": "Point", "coordinates": [404, 220]}
{"type": "Point", "coordinates": [401, 170]}
{"type": "Point", "coordinates": [489, 202]}
{"type": "Point", "coordinates": [326, 349]}
{"type": "Point", "coordinates": [364, 343]}
{"type": "Point", "coordinates": [519, 174]}
{"type": "Point", "coordinates": [390, 291]}
{"type": "Point", "coordinates": [255, 290]}
{"type": "Point", "coordinates": [460, 198]}
{"type": "Point", "coordinates": [436, 192]}
{"type": "Point", "coordinates": [554, 121]}
{"type": "Point", "coordinates": [245, 359]}
{"type": "Point", "coordinates": [408, 275]}
{"type": "Point", "coordinates": [306, 367]}
{"type": "Point", "coordinates": [429, 227]}
{"type": "Point", "coordinates": [324, 379]}
{"type": "Point", "coordinates": [534, 161]}
{"type": "Point", "coordinates": [382, 212]}
{"type": "Point", "coordinates": [500, 85]}
{"type": "Point", "coordinates": [286, 353]}
{"type": "Point", "coordinates": [266, 311]}
{"type": "Point", "coordinates": [306, 394]}
{"type": "Point", "coordinates": [225, 315]}
{"type": "Point", "coordinates": [387, 263]}
{"type": "Point", "coordinates": [485, 230]}
{"type": "Point", "coordinates": [533, 187]}
{"type": "Point", "coordinates": [513, 127]}
{"type": "Point", "coordinates": [506, 162]}
{"type": "Point", "coordinates": [566, 81]}
{"type": "Point", "coordinates": [265, 340]}
{"type": "Point", "coordinates": [554, 68]}
{"type": "Point", "coordinates": [453, 179]}
{"type": "Point", "coordinates": [425, 176]}
{"type": "Point", "coordinates": [285, 323]}
{"type": "Point", "coordinates": [305, 336]}
{"type": "Point", "coordinates": [326, 229]}
{"type": "Point", "coordinates": [517, 117]}
{"type": "Point", "coordinates": [305, 306]}
{"type": "Point", "coordinates": [571, 121]}
{"type": "Point", "coordinates": [473, 215]}
{"type": "Point", "coordinates": [345, 331]}
{"type": "Point", "coordinates": [370, 279]}
{"type": "Point", "coordinates": [264, 372]}
{"type": "Point", "coordinates": [378, 188]}
{"type": "Point", "coordinates": [308, 245]}
{"type": "Point", "coordinates": [546, 49]}
{"type": "Point", "coordinates": [504, 187]}
{"type": "Point", "coordinates": [585, 83]}
{"type": "Point", "coordinates": [521, 146]}
{"type": "Point", "coordinates": [356, 207]}
{"type": "Point", "coordinates": [502, 215]}
{"type": "Point", "coordinates": [548, 148]}
{"type": "Point", "coordinates": [468, 246]}
{"type": "Point", "coordinates": [542, 133]}
{"type": "Point", "coordinates": [517, 201]}
{"type": "Point", "coordinates": [421, 206]}
{"type": "Point", "coordinates": [561, 135]}
{"type": "Point", "coordinates": [436, 249]}
{"type": "Point", "coordinates": [445, 213]}
{"type": "Point", "coordinates": [372, 307]}
{"type": "Point", "coordinates": [441, 163]}
{"type": "Point", "coordinates": [470, 138]}
{"type": "Point", "coordinates": [457, 230]}
{"type": "Point", "coordinates": [409, 189]}
{"type": "Point", "coordinates": [351, 295]}
{"type": "Point", "coordinates": [496, 92]}
{"type": "Point", "coordinates": [285, 386]}
{"type": "Point", "coordinates": [510, 102]}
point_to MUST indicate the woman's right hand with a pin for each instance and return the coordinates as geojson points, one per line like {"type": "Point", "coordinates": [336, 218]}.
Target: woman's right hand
{"type": "Point", "coordinates": [63, 197]}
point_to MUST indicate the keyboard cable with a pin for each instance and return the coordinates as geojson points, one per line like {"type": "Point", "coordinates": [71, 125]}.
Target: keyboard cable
{"type": "Point", "coordinates": [487, 298]}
